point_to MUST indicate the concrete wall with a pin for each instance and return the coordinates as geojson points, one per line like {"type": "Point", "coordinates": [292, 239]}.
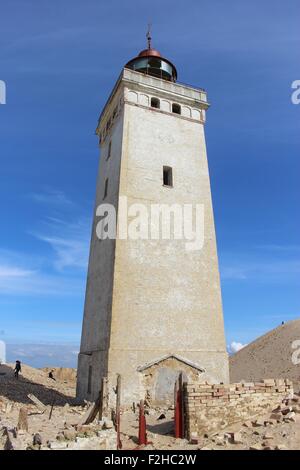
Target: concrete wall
{"type": "Point", "coordinates": [2, 352]}
{"type": "Point", "coordinates": [95, 336]}
{"type": "Point", "coordinates": [149, 298]}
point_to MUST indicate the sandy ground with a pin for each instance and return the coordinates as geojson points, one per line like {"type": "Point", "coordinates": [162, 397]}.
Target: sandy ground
{"type": "Point", "coordinates": [67, 413]}
{"type": "Point", "coordinates": [161, 435]}
{"type": "Point", "coordinates": [35, 381]}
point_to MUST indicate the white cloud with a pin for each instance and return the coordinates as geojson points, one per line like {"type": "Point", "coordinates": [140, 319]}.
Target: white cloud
{"type": "Point", "coordinates": [32, 274]}
{"type": "Point", "coordinates": [21, 274]}
{"type": "Point", "coordinates": [40, 283]}
{"type": "Point", "coordinates": [234, 272]}
{"type": "Point", "coordinates": [281, 248]}
{"type": "Point", "coordinates": [70, 243]}
{"type": "Point", "coordinates": [69, 239]}
{"type": "Point", "coordinates": [235, 347]}
{"type": "Point", "coordinates": [51, 196]}
{"type": "Point", "coordinates": [9, 272]}
{"type": "Point", "coordinates": [265, 271]}
{"type": "Point", "coordinates": [58, 36]}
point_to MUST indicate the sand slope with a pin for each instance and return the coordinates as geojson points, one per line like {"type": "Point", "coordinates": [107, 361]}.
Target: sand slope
{"type": "Point", "coordinates": [34, 381]}
{"type": "Point", "coordinates": [268, 356]}
{"type": "Point", "coordinates": [62, 373]}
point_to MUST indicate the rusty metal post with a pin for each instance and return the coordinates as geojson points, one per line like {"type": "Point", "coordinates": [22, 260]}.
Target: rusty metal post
{"type": "Point", "coordinates": [183, 404]}
{"type": "Point", "coordinates": [118, 412]}
{"type": "Point", "coordinates": [176, 411]}
{"type": "Point", "coordinates": [142, 425]}
{"type": "Point", "coordinates": [181, 398]}
{"type": "Point", "coordinates": [103, 398]}
{"type": "Point", "coordinates": [178, 408]}
{"type": "Point", "coordinates": [51, 409]}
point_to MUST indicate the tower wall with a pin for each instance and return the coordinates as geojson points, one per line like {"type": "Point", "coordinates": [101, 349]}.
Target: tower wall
{"type": "Point", "coordinates": [149, 300]}
{"type": "Point", "coordinates": [93, 356]}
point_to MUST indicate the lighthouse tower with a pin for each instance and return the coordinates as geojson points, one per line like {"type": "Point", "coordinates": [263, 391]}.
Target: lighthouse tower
{"type": "Point", "coordinates": [153, 308]}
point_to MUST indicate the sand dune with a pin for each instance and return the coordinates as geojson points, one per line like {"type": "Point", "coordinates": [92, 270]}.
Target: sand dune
{"type": "Point", "coordinates": [62, 373]}
{"type": "Point", "coordinates": [269, 356]}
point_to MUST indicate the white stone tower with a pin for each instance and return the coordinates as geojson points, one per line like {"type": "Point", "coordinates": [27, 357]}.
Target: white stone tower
{"type": "Point", "coordinates": [152, 308]}
{"type": "Point", "coordinates": [2, 352]}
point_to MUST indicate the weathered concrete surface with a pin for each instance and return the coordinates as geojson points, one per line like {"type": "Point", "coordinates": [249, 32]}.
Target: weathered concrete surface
{"type": "Point", "coordinates": [146, 299]}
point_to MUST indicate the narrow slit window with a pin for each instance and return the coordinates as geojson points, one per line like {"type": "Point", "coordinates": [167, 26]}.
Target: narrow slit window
{"type": "Point", "coordinates": [176, 108]}
{"type": "Point", "coordinates": [167, 176]}
{"type": "Point", "coordinates": [115, 111]}
{"type": "Point", "coordinates": [89, 387]}
{"type": "Point", "coordinates": [108, 151]}
{"type": "Point", "coordinates": [105, 188]}
{"type": "Point", "coordinates": [107, 126]}
{"type": "Point", "coordinates": [155, 103]}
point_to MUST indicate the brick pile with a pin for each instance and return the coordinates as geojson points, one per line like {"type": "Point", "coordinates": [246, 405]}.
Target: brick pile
{"type": "Point", "coordinates": [210, 408]}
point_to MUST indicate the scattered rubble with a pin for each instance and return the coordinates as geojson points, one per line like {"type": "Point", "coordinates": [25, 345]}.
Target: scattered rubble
{"type": "Point", "coordinates": [23, 421]}
{"type": "Point", "coordinates": [25, 424]}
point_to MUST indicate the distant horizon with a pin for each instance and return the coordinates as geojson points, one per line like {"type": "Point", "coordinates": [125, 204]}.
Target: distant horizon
{"type": "Point", "coordinates": [40, 355]}
{"type": "Point", "coordinates": [37, 354]}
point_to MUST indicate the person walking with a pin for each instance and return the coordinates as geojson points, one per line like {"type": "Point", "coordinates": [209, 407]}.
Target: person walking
{"type": "Point", "coordinates": [17, 369]}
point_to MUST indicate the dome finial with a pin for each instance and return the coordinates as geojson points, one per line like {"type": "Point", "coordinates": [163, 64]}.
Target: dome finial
{"type": "Point", "coordinates": [150, 62]}
{"type": "Point", "coordinates": [148, 35]}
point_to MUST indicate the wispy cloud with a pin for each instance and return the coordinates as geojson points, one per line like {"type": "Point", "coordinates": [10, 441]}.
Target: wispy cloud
{"type": "Point", "coordinates": [67, 234]}
{"type": "Point", "coordinates": [234, 272]}
{"type": "Point", "coordinates": [280, 248]}
{"type": "Point", "coordinates": [9, 272]}
{"type": "Point", "coordinates": [60, 271]}
{"type": "Point", "coordinates": [40, 283]}
{"type": "Point", "coordinates": [69, 241]}
{"type": "Point", "coordinates": [55, 36]}
{"type": "Point", "coordinates": [51, 196]}
{"type": "Point", "coordinates": [242, 269]}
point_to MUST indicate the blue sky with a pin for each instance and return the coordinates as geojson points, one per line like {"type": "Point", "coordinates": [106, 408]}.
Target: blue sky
{"type": "Point", "coordinates": [59, 61]}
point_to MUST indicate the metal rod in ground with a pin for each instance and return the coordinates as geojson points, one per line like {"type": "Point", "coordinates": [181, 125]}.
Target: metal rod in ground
{"type": "Point", "coordinates": [118, 412]}
{"type": "Point", "coordinates": [142, 425]}
{"type": "Point", "coordinates": [183, 393]}
{"type": "Point", "coordinates": [103, 393]}
{"type": "Point", "coordinates": [178, 413]}
{"type": "Point", "coordinates": [51, 410]}
{"type": "Point", "coordinates": [181, 397]}
{"type": "Point", "coordinates": [176, 422]}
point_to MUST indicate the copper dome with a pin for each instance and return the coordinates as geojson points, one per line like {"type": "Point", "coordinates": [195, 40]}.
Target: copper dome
{"type": "Point", "coordinates": [149, 53]}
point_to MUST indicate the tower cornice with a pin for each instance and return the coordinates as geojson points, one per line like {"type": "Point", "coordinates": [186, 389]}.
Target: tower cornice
{"type": "Point", "coordinates": [186, 95]}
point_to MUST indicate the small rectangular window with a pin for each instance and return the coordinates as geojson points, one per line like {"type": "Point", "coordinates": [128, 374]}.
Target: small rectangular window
{"type": "Point", "coordinates": [167, 176]}
{"type": "Point", "coordinates": [115, 111]}
{"type": "Point", "coordinates": [108, 151]}
{"type": "Point", "coordinates": [155, 103]}
{"type": "Point", "coordinates": [105, 188]}
{"type": "Point", "coordinates": [89, 385]}
{"type": "Point", "coordinates": [176, 108]}
{"type": "Point", "coordinates": [108, 124]}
